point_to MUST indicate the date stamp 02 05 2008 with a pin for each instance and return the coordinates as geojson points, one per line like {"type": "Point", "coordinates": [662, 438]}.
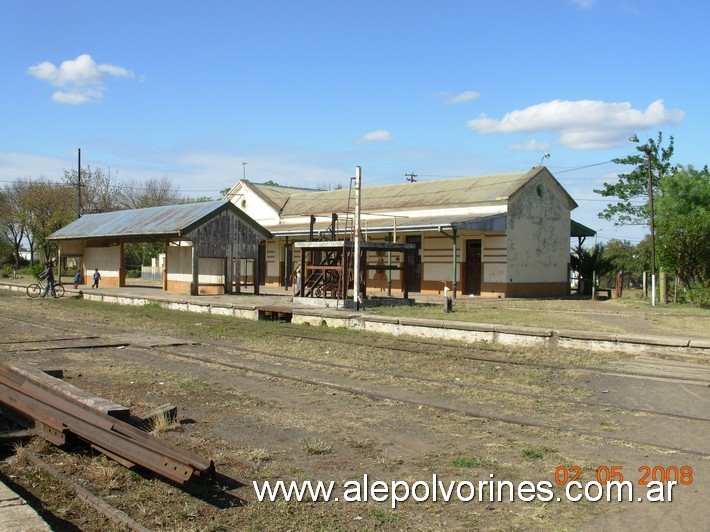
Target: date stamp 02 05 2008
{"type": "Point", "coordinates": [682, 475]}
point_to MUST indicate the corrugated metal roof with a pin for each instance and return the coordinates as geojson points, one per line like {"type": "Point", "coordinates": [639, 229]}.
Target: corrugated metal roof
{"type": "Point", "coordinates": [275, 195]}
{"type": "Point", "coordinates": [579, 230]}
{"type": "Point", "coordinates": [422, 195]}
{"type": "Point", "coordinates": [465, 191]}
{"type": "Point", "coordinates": [169, 220]}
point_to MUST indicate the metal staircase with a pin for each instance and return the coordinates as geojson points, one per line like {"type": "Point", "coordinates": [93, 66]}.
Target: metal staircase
{"type": "Point", "coordinates": [325, 280]}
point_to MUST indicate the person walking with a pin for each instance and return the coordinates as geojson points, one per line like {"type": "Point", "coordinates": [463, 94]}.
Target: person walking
{"type": "Point", "coordinates": [297, 274]}
{"type": "Point", "coordinates": [97, 278]}
{"type": "Point", "coordinates": [77, 279]}
{"type": "Point", "coordinates": [48, 275]}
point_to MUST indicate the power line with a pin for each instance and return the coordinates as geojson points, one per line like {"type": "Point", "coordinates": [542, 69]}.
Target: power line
{"type": "Point", "coordinates": [573, 169]}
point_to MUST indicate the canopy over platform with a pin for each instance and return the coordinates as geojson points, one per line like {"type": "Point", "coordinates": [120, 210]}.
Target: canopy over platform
{"type": "Point", "coordinates": [205, 244]}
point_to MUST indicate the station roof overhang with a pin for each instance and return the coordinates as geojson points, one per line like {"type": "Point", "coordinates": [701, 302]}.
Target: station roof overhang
{"type": "Point", "coordinates": [578, 230]}
{"type": "Point", "coordinates": [495, 223]}
{"type": "Point", "coordinates": [488, 223]}
{"type": "Point", "coordinates": [349, 244]}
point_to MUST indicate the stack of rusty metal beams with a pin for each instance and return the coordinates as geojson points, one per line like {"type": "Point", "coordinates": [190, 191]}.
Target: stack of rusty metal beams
{"type": "Point", "coordinates": [54, 409]}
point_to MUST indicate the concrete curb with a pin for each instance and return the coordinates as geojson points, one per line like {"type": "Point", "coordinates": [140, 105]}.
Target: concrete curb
{"type": "Point", "coordinates": [17, 515]}
{"type": "Point", "coordinates": [429, 328]}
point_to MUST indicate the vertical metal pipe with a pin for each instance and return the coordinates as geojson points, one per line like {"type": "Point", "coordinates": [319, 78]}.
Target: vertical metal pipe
{"type": "Point", "coordinates": [356, 250]}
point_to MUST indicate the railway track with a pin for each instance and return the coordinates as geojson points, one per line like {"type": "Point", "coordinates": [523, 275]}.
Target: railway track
{"type": "Point", "coordinates": [299, 368]}
{"type": "Point", "coordinates": [476, 353]}
{"type": "Point", "coordinates": [370, 393]}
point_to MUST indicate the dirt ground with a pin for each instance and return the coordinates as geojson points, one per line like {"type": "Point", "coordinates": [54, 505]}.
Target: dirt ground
{"type": "Point", "coordinates": [320, 410]}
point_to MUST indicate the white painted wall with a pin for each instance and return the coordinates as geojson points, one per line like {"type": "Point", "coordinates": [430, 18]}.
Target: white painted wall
{"type": "Point", "coordinates": [255, 207]}
{"type": "Point", "coordinates": [538, 233]}
{"type": "Point", "coordinates": [211, 270]}
{"type": "Point", "coordinates": [494, 259]}
{"type": "Point", "coordinates": [179, 267]}
{"type": "Point", "coordinates": [107, 260]}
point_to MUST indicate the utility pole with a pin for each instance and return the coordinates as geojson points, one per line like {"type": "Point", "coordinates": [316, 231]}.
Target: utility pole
{"type": "Point", "coordinates": [244, 170]}
{"type": "Point", "coordinates": [410, 177]}
{"type": "Point", "coordinates": [78, 188]}
{"type": "Point", "coordinates": [653, 233]}
{"type": "Point", "coordinates": [647, 149]}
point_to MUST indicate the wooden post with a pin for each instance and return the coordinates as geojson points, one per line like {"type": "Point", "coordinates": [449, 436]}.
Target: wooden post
{"type": "Point", "coordinates": [165, 265]}
{"type": "Point", "coordinates": [195, 285]}
{"type": "Point", "coordinates": [121, 264]}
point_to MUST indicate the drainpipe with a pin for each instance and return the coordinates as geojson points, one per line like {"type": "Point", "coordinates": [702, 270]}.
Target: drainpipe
{"type": "Point", "coordinates": [455, 265]}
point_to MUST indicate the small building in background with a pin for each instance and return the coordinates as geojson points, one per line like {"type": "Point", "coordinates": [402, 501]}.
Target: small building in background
{"type": "Point", "coordinates": [207, 245]}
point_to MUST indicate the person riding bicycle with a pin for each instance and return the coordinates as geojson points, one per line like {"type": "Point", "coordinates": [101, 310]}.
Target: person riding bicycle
{"type": "Point", "coordinates": [48, 274]}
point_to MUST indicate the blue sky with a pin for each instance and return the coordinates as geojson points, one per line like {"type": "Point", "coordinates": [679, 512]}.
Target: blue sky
{"type": "Point", "coordinates": [305, 91]}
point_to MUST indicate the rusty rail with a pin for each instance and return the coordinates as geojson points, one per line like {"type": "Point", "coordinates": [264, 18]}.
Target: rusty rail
{"type": "Point", "coordinates": [54, 414]}
{"type": "Point", "coordinates": [113, 514]}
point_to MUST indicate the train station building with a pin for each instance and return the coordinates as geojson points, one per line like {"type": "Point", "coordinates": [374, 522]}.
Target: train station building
{"type": "Point", "coordinates": [505, 235]}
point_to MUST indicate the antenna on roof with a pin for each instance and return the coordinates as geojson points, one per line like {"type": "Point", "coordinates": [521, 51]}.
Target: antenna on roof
{"type": "Point", "coordinates": [546, 156]}
{"type": "Point", "coordinates": [410, 177]}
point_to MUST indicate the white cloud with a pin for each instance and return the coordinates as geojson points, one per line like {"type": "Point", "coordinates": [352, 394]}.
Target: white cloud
{"type": "Point", "coordinates": [582, 124]}
{"type": "Point", "coordinates": [583, 4]}
{"type": "Point", "coordinates": [462, 97]}
{"type": "Point", "coordinates": [531, 145]}
{"type": "Point", "coordinates": [82, 78]}
{"type": "Point", "coordinates": [380, 135]}
{"type": "Point", "coordinates": [20, 165]}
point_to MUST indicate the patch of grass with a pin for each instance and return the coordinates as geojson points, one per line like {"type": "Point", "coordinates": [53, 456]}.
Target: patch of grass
{"type": "Point", "coordinates": [21, 451]}
{"type": "Point", "coordinates": [384, 516]}
{"type": "Point", "coordinates": [537, 453]}
{"type": "Point", "coordinates": [162, 423]}
{"type": "Point", "coordinates": [470, 463]}
{"type": "Point", "coordinates": [105, 473]}
{"type": "Point", "coordinates": [294, 470]}
{"type": "Point", "coordinates": [193, 385]}
{"type": "Point", "coordinates": [259, 455]}
{"type": "Point", "coordinates": [316, 446]}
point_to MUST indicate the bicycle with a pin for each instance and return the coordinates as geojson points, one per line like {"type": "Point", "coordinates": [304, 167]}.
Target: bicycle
{"type": "Point", "coordinates": [35, 290]}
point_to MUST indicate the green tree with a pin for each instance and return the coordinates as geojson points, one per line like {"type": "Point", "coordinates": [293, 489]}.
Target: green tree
{"type": "Point", "coordinates": [588, 263]}
{"type": "Point", "coordinates": [13, 218]}
{"type": "Point", "coordinates": [48, 208]}
{"type": "Point", "coordinates": [7, 253]}
{"type": "Point", "coordinates": [626, 258]}
{"type": "Point", "coordinates": [631, 190]}
{"type": "Point", "coordinates": [683, 225]}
